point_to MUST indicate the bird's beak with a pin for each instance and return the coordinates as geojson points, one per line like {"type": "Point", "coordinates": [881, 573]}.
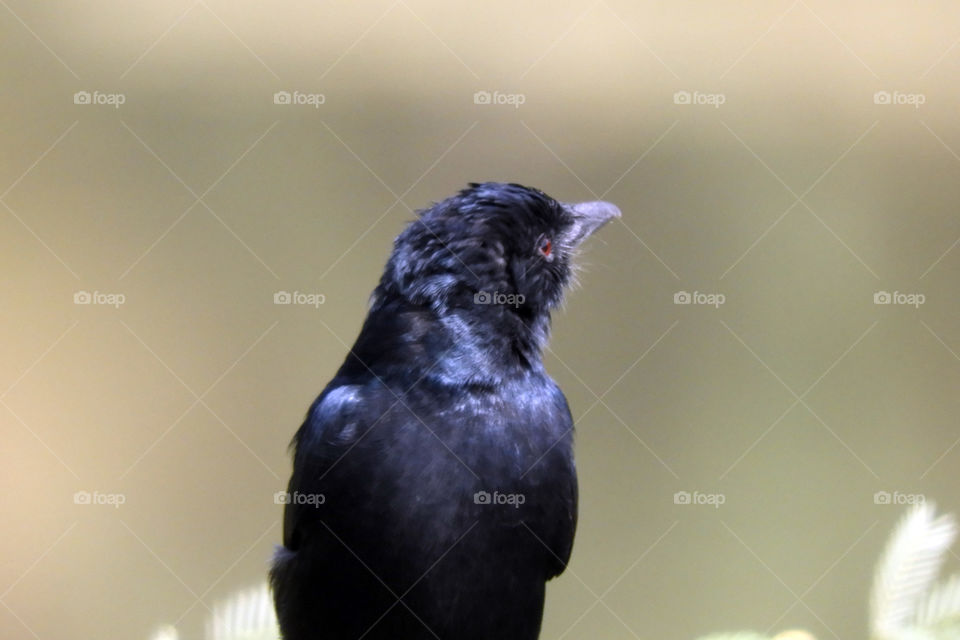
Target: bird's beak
{"type": "Point", "coordinates": [587, 218]}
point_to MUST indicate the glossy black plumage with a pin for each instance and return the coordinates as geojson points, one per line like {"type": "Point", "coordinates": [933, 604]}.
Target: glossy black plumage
{"type": "Point", "coordinates": [443, 397]}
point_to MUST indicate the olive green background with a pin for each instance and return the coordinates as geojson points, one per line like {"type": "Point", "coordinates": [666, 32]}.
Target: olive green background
{"type": "Point", "coordinates": [197, 199]}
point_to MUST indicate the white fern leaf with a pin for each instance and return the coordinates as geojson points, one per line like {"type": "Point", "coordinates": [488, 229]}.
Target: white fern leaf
{"type": "Point", "coordinates": [942, 606]}
{"type": "Point", "coordinates": [916, 634]}
{"type": "Point", "coordinates": [246, 615]}
{"type": "Point", "coordinates": [165, 633]}
{"type": "Point", "coordinates": [907, 569]}
{"type": "Point", "coordinates": [794, 634]}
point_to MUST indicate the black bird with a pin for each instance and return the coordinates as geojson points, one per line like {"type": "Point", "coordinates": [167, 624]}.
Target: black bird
{"type": "Point", "coordinates": [433, 491]}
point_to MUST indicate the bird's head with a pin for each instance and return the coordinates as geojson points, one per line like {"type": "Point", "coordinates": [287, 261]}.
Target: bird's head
{"type": "Point", "coordinates": [494, 253]}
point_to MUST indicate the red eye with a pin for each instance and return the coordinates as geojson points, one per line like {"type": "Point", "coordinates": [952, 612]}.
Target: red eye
{"type": "Point", "coordinates": [546, 247]}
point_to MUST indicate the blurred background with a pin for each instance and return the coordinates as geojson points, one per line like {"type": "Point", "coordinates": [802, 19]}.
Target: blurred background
{"type": "Point", "coordinates": [762, 356]}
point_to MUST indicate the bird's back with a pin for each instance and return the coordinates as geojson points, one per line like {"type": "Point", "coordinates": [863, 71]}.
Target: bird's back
{"type": "Point", "coordinates": [457, 500]}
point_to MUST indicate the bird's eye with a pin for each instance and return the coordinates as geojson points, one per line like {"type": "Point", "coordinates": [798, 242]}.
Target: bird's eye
{"type": "Point", "coordinates": [545, 247]}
